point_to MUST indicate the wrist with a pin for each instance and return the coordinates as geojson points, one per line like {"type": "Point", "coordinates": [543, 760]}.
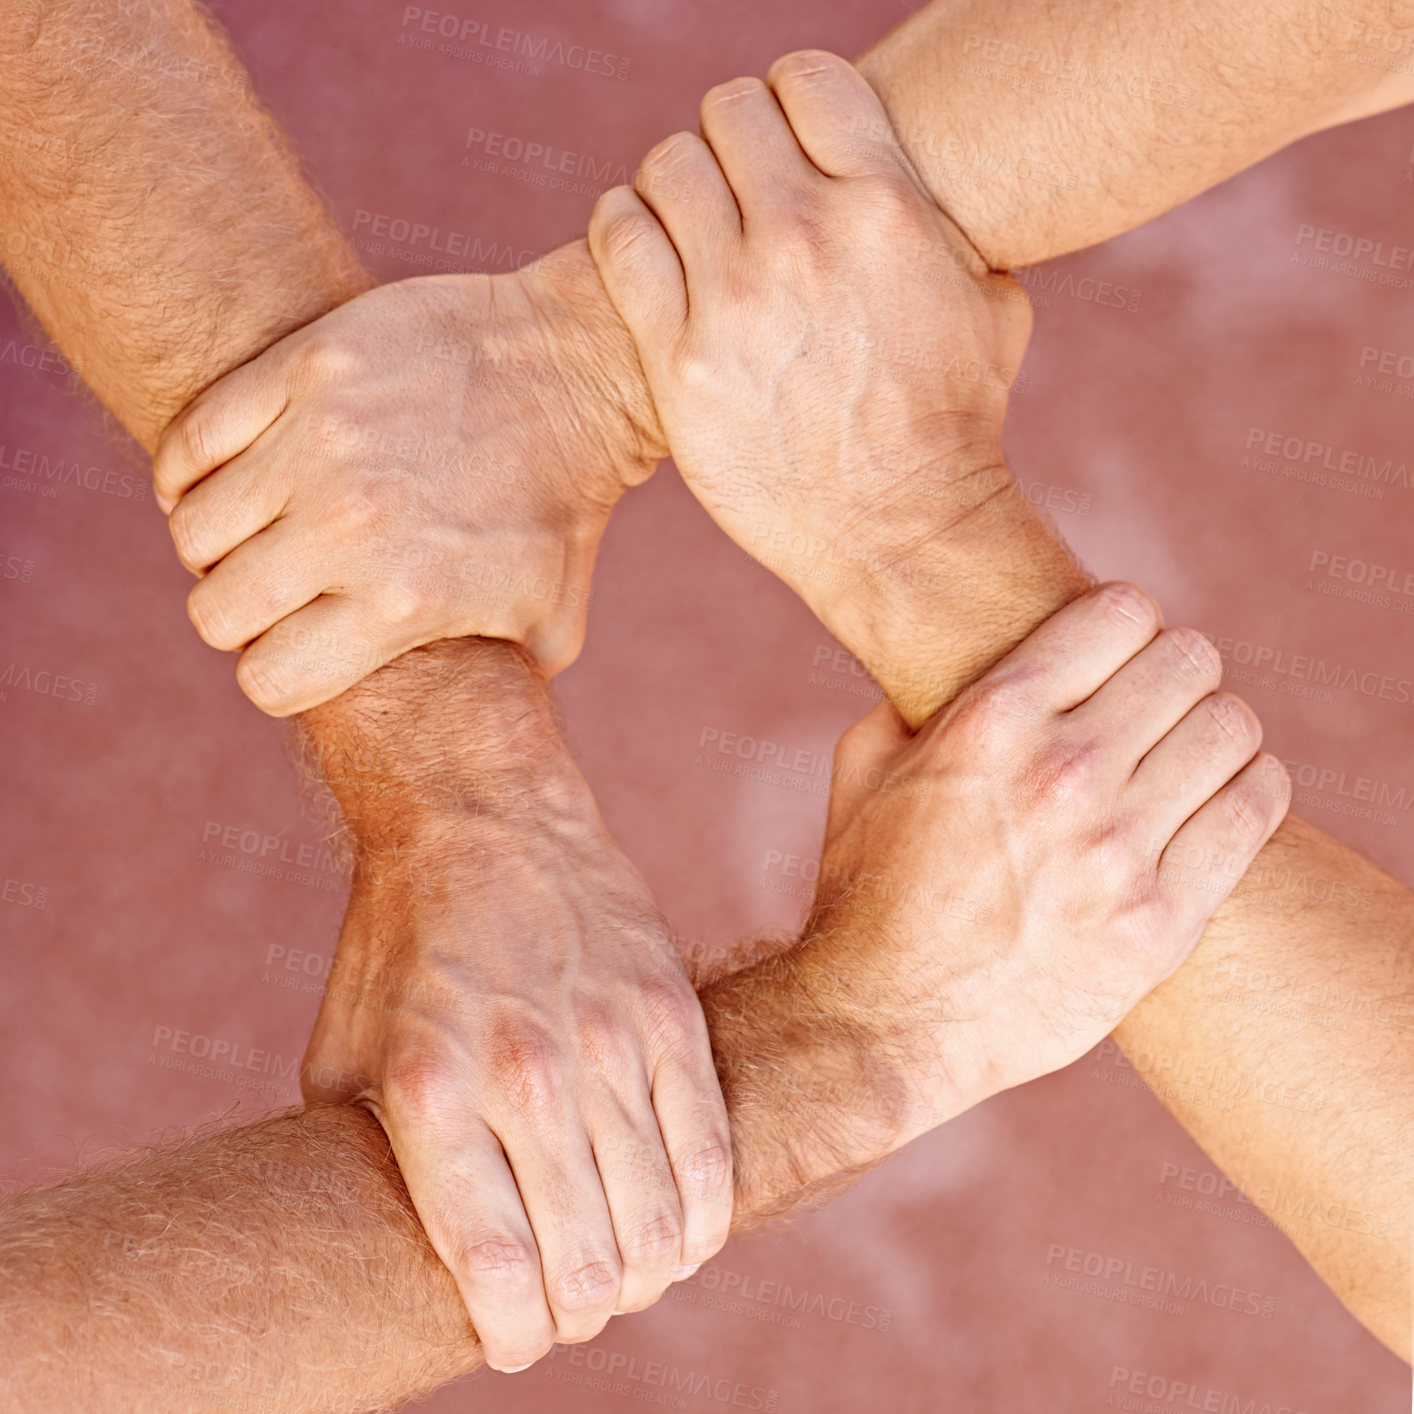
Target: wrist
{"type": "Point", "coordinates": [448, 741]}
{"type": "Point", "coordinates": [939, 603]}
{"type": "Point", "coordinates": [613, 387]}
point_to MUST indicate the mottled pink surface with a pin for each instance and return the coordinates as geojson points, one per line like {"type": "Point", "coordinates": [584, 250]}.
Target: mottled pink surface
{"type": "Point", "coordinates": [1134, 423]}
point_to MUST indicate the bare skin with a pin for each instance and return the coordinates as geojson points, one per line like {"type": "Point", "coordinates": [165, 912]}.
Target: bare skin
{"type": "Point", "coordinates": [779, 338]}
{"type": "Point", "coordinates": [161, 230]}
{"type": "Point", "coordinates": [1038, 129]}
{"type": "Point", "coordinates": [988, 920]}
{"type": "Point", "coordinates": [1149, 109]}
{"type": "Point", "coordinates": [1017, 575]}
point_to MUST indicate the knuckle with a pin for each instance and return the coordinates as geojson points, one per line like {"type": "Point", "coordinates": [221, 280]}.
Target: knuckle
{"type": "Point", "coordinates": [1274, 781]}
{"type": "Point", "coordinates": [1232, 717]}
{"type": "Point", "coordinates": [1245, 811]}
{"type": "Point", "coordinates": [357, 513]}
{"type": "Point", "coordinates": [587, 1286]}
{"type": "Point", "coordinates": [977, 721]}
{"type": "Point", "coordinates": [667, 170]}
{"type": "Point", "coordinates": [325, 358]}
{"type": "Point", "coordinates": [724, 95]}
{"type": "Point", "coordinates": [706, 1169]}
{"type": "Point", "coordinates": [651, 1238]}
{"type": "Point", "coordinates": [185, 528]}
{"type": "Point", "coordinates": [672, 152]}
{"type": "Point", "coordinates": [1123, 600]}
{"type": "Point", "coordinates": [1194, 653]}
{"type": "Point", "coordinates": [418, 1087]}
{"type": "Point", "coordinates": [1151, 920]}
{"type": "Point", "coordinates": [403, 604]}
{"type": "Point", "coordinates": [266, 685]}
{"type": "Point", "coordinates": [804, 64]}
{"type": "Point", "coordinates": [524, 1063]}
{"type": "Point", "coordinates": [206, 608]}
{"type": "Point", "coordinates": [804, 238]}
{"type": "Point", "coordinates": [1113, 863]}
{"type": "Point", "coordinates": [627, 233]}
{"type": "Point", "coordinates": [1005, 699]}
{"type": "Point", "coordinates": [1065, 773]}
{"type": "Point", "coordinates": [671, 1013]}
{"type": "Point", "coordinates": [497, 1261]}
{"type": "Point", "coordinates": [196, 436]}
{"type": "Point", "coordinates": [695, 369]}
{"type": "Point", "coordinates": [603, 1036]}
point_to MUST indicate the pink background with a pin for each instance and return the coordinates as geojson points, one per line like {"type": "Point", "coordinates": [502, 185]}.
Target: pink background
{"type": "Point", "coordinates": [1134, 423]}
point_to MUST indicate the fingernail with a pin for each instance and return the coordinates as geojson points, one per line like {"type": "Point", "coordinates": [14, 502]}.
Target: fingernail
{"type": "Point", "coordinates": [164, 505]}
{"type": "Point", "coordinates": [516, 1369]}
{"type": "Point", "coordinates": [682, 1273]}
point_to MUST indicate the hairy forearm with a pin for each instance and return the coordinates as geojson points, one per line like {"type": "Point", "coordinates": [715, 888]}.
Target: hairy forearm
{"type": "Point", "coordinates": [155, 218]}
{"type": "Point", "coordinates": [278, 1266]}
{"type": "Point", "coordinates": [1042, 129]}
{"type": "Point", "coordinates": [281, 1265]}
{"type": "Point", "coordinates": [1315, 1125]}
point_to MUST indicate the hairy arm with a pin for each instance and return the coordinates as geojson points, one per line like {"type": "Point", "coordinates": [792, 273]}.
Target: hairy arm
{"type": "Point", "coordinates": [841, 440]}
{"type": "Point", "coordinates": [146, 196]}
{"type": "Point", "coordinates": [1044, 128]}
{"type": "Point", "coordinates": [283, 1264]}
{"type": "Point", "coordinates": [158, 225]}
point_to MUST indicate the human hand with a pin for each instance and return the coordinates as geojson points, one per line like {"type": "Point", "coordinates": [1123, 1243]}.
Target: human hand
{"type": "Point", "coordinates": [507, 1000]}
{"type": "Point", "coordinates": [434, 459]}
{"type": "Point", "coordinates": [999, 890]}
{"type": "Point", "coordinates": [828, 356]}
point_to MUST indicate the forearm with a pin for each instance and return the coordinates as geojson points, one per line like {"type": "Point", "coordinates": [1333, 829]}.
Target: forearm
{"type": "Point", "coordinates": [1045, 128]}
{"type": "Point", "coordinates": [1323, 1146]}
{"type": "Point", "coordinates": [282, 1264]}
{"type": "Point", "coordinates": [155, 217]}
{"type": "Point", "coordinates": [278, 1266]}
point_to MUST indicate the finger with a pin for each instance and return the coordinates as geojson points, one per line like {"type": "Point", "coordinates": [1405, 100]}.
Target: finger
{"type": "Point", "coordinates": [639, 267]}
{"type": "Point", "coordinates": [754, 147]}
{"type": "Point", "coordinates": [1075, 651]}
{"type": "Point", "coordinates": [865, 750]}
{"type": "Point", "coordinates": [468, 1202]}
{"type": "Point", "coordinates": [692, 1119]}
{"type": "Point", "coordinates": [563, 1195]}
{"type": "Point", "coordinates": [1203, 862]}
{"type": "Point", "coordinates": [259, 583]}
{"type": "Point", "coordinates": [641, 1194]}
{"type": "Point", "coordinates": [227, 508]}
{"type": "Point", "coordinates": [218, 425]}
{"type": "Point", "coordinates": [681, 183]}
{"type": "Point", "coordinates": [1212, 743]}
{"type": "Point", "coordinates": [318, 652]}
{"type": "Point", "coordinates": [837, 118]}
{"type": "Point", "coordinates": [1150, 694]}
